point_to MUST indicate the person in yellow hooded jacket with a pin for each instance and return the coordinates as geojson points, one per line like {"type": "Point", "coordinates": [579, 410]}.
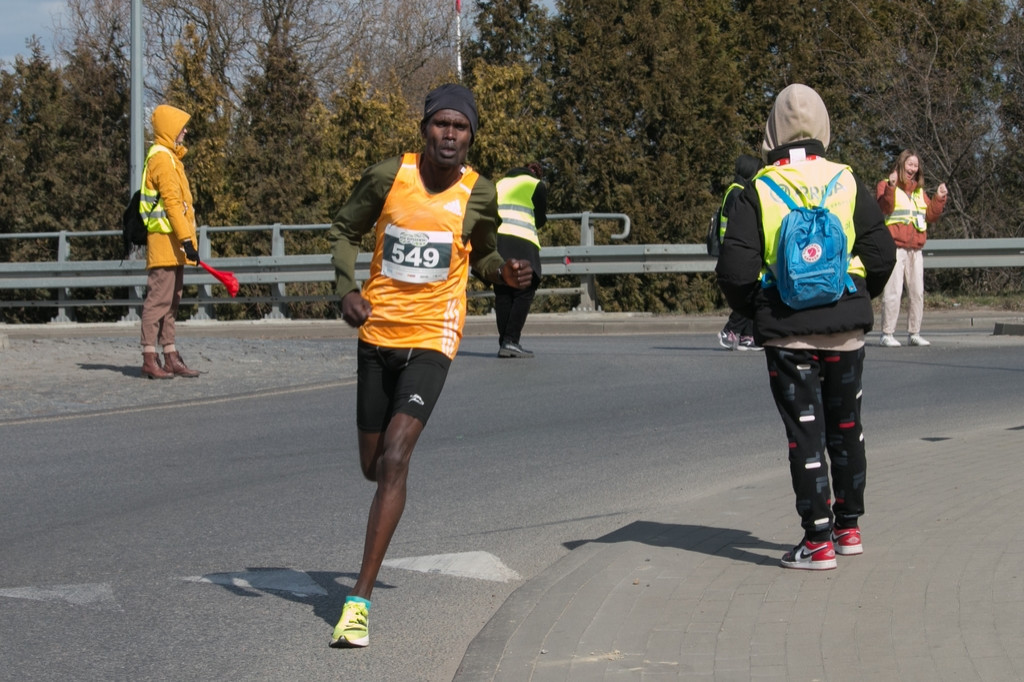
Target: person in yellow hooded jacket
{"type": "Point", "coordinates": [166, 207]}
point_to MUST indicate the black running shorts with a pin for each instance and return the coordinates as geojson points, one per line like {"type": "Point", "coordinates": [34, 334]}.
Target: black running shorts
{"type": "Point", "coordinates": [397, 381]}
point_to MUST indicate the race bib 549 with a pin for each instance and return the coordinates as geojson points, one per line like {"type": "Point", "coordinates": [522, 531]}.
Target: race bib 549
{"type": "Point", "coordinates": [416, 256]}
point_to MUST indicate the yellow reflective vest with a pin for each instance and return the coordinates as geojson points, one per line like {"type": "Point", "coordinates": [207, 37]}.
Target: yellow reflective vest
{"type": "Point", "coordinates": [515, 206]}
{"type": "Point", "coordinates": [151, 206]}
{"type": "Point", "coordinates": [808, 180]}
{"type": "Point", "coordinates": [723, 220]}
{"type": "Point", "coordinates": [908, 209]}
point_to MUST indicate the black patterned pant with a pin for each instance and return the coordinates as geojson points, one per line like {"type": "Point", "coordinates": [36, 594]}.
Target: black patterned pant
{"type": "Point", "coordinates": [818, 395]}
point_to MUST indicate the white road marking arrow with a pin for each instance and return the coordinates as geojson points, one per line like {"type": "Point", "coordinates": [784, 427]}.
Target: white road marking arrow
{"type": "Point", "coordinates": [478, 565]}
{"type": "Point", "coordinates": [96, 595]}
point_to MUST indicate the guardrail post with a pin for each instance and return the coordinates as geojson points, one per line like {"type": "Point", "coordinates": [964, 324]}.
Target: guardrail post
{"type": "Point", "coordinates": [588, 290]}
{"type": "Point", "coordinates": [63, 294]}
{"type": "Point", "coordinates": [277, 290]}
{"type": "Point", "coordinates": [204, 310]}
{"type": "Point", "coordinates": [134, 313]}
{"type": "Point", "coordinates": [135, 293]}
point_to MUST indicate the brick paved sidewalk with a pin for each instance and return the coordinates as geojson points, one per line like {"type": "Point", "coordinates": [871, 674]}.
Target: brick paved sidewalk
{"type": "Point", "coordinates": [696, 592]}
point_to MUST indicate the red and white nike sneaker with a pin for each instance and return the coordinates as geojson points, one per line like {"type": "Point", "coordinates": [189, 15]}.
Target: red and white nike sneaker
{"type": "Point", "coordinates": [813, 556]}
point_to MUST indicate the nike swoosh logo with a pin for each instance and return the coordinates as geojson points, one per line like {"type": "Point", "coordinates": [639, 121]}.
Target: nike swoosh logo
{"type": "Point", "coordinates": [802, 553]}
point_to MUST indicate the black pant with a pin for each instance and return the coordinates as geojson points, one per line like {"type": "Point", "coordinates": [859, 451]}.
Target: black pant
{"type": "Point", "coordinates": [511, 307]}
{"type": "Point", "coordinates": [818, 395]}
{"type": "Point", "coordinates": [739, 325]}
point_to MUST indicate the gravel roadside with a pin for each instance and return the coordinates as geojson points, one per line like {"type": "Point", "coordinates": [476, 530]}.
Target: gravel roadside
{"type": "Point", "coordinates": [45, 377]}
{"type": "Point", "coordinates": [63, 369]}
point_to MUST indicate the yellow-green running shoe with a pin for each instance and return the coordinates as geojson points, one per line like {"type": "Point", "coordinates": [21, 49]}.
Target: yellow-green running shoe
{"type": "Point", "coordinates": [352, 629]}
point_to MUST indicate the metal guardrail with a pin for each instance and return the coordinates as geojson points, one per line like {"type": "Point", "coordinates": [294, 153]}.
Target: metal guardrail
{"type": "Point", "coordinates": [586, 261]}
{"type": "Point", "coordinates": [276, 270]}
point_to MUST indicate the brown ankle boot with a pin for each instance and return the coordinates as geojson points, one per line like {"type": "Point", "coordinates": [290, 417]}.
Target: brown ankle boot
{"type": "Point", "coordinates": [176, 366]}
{"type": "Point", "coordinates": [151, 367]}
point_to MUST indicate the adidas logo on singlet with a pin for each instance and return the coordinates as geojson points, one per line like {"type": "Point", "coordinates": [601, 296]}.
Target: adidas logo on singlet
{"type": "Point", "coordinates": [454, 206]}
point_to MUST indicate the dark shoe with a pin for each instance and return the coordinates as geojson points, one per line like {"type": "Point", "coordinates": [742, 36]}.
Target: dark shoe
{"type": "Point", "coordinates": [513, 350]}
{"type": "Point", "coordinates": [151, 368]}
{"type": "Point", "coordinates": [175, 365]}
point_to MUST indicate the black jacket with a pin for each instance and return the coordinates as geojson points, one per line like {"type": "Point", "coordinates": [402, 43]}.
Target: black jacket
{"type": "Point", "coordinates": [742, 258]}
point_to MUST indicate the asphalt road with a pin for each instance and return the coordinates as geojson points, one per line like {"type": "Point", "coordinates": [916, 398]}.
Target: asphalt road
{"type": "Point", "coordinates": [209, 529]}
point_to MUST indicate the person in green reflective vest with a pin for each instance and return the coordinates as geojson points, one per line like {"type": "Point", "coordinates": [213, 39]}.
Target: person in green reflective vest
{"type": "Point", "coordinates": [522, 205]}
{"type": "Point", "coordinates": [738, 332]}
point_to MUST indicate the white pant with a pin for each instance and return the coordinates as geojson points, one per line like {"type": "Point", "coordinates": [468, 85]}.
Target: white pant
{"type": "Point", "coordinates": [909, 267]}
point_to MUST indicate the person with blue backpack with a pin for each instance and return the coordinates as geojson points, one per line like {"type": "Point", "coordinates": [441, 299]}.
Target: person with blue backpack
{"type": "Point", "coordinates": [805, 252]}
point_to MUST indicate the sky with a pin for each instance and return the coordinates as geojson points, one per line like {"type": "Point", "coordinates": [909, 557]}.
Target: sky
{"type": "Point", "coordinates": [20, 19]}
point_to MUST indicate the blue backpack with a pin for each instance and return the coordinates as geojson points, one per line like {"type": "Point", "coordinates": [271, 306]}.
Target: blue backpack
{"type": "Point", "coordinates": [812, 259]}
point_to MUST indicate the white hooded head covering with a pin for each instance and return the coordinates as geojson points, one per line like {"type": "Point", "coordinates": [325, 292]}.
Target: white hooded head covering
{"type": "Point", "coordinates": [797, 114]}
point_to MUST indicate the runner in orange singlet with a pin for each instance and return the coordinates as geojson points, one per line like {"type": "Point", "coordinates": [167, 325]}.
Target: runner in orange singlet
{"type": "Point", "coordinates": [434, 218]}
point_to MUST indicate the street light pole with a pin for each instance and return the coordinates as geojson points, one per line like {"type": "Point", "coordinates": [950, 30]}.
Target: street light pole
{"type": "Point", "coordinates": [458, 38]}
{"type": "Point", "coordinates": [138, 130]}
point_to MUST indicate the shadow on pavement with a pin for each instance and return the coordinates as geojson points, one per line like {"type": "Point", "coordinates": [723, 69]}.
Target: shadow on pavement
{"type": "Point", "coordinates": [722, 542]}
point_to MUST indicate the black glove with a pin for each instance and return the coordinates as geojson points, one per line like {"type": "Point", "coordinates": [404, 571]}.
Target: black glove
{"type": "Point", "coordinates": [190, 251]}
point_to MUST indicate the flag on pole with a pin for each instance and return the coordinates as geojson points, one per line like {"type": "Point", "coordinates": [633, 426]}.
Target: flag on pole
{"type": "Point", "coordinates": [458, 5]}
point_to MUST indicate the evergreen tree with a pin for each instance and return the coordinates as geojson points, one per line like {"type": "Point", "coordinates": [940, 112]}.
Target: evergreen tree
{"type": "Point", "coordinates": [514, 125]}
{"type": "Point", "coordinates": [12, 172]}
{"type": "Point", "coordinates": [364, 125]}
{"type": "Point", "coordinates": [895, 74]}
{"type": "Point", "coordinates": [508, 33]}
{"type": "Point", "coordinates": [1009, 168]}
{"type": "Point", "coordinates": [37, 196]}
{"type": "Point", "coordinates": [505, 69]}
{"type": "Point", "coordinates": [38, 193]}
{"type": "Point", "coordinates": [96, 127]}
{"type": "Point", "coordinates": [196, 89]}
{"type": "Point", "coordinates": [276, 136]}
{"type": "Point", "coordinates": [645, 107]}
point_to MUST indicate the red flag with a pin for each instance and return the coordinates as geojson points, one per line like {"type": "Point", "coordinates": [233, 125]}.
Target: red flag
{"type": "Point", "coordinates": [458, 5]}
{"type": "Point", "coordinates": [226, 278]}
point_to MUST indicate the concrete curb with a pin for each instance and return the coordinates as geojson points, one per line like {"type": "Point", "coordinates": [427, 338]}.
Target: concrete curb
{"type": "Point", "coordinates": [1009, 328]}
{"type": "Point", "coordinates": [538, 324]}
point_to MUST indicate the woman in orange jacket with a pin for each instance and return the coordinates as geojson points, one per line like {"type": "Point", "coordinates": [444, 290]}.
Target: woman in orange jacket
{"type": "Point", "coordinates": [908, 211]}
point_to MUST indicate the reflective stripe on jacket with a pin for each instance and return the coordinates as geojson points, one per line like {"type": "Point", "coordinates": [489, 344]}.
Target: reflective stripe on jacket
{"type": "Point", "coordinates": [515, 206]}
{"type": "Point", "coordinates": [909, 209]}
{"type": "Point", "coordinates": [151, 206]}
{"type": "Point", "coordinates": [723, 220]}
